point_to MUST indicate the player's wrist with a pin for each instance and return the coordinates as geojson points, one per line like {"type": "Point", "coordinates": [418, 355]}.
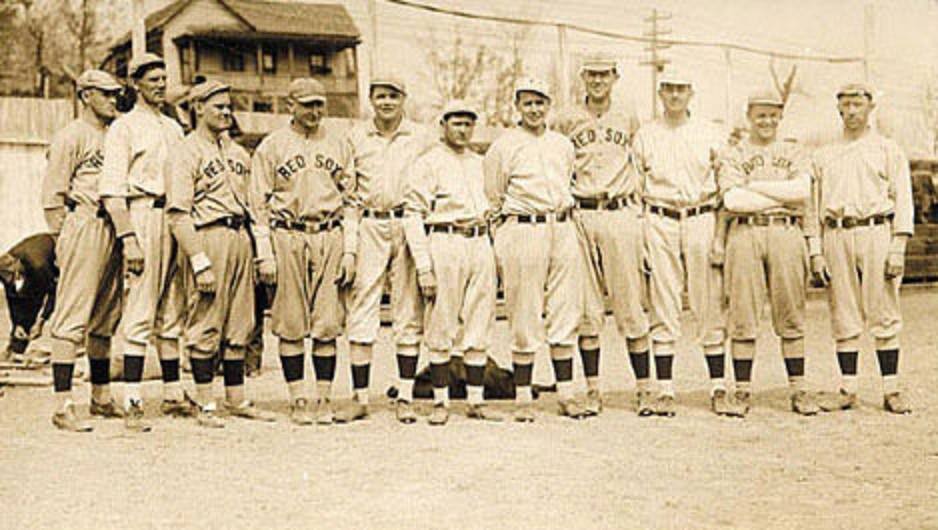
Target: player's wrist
{"type": "Point", "coordinates": [200, 263]}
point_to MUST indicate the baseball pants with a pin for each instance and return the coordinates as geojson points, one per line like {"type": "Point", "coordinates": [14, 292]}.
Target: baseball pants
{"type": "Point", "coordinates": [611, 245]}
{"type": "Point", "coordinates": [859, 291]}
{"type": "Point", "coordinates": [382, 249]}
{"type": "Point", "coordinates": [765, 260]}
{"type": "Point", "coordinates": [225, 317]}
{"type": "Point", "coordinates": [679, 253]}
{"type": "Point", "coordinates": [307, 300]}
{"type": "Point", "coordinates": [466, 286]}
{"type": "Point", "coordinates": [155, 298]}
{"type": "Point", "coordinates": [540, 268]}
{"type": "Point", "coordinates": [88, 298]}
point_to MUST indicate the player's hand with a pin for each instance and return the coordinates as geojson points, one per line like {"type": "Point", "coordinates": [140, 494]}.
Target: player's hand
{"type": "Point", "coordinates": [267, 271]}
{"type": "Point", "coordinates": [346, 276]}
{"type": "Point", "coordinates": [427, 282]}
{"type": "Point", "coordinates": [205, 281]}
{"type": "Point", "coordinates": [133, 255]}
{"type": "Point", "coordinates": [820, 274]}
{"type": "Point", "coordinates": [895, 265]}
{"type": "Point", "coordinates": [717, 256]}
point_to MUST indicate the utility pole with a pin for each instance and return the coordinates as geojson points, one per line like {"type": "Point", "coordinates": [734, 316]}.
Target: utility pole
{"type": "Point", "coordinates": [656, 62]}
{"type": "Point", "coordinates": [138, 35]}
{"type": "Point", "coordinates": [563, 65]}
{"type": "Point", "coordinates": [869, 35]}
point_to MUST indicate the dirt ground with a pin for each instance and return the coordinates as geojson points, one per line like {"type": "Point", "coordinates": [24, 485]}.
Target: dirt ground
{"type": "Point", "coordinates": [857, 469]}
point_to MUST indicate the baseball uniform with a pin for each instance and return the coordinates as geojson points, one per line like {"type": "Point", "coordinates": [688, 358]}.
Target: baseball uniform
{"type": "Point", "coordinates": [609, 225]}
{"type": "Point", "coordinates": [89, 259]}
{"type": "Point", "coordinates": [208, 183]}
{"type": "Point", "coordinates": [527, 180]}
{"type": "Point", "coordinates": [676, 163]}
{"type": "Point", "coordinates": [300, 188]}
{"type": "Point", "coordinates": [381, 164]}
{"type": "Point", "coordinates": [765, 247]}
{"type": "Point", "coordinates": [862, 212]}
{"type": "Point", "coordinates": [136, 150]}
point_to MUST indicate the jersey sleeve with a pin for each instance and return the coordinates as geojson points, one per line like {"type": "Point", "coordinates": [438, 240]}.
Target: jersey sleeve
{"type": "Point", "coordinates": [496, 175]}
{"type": "Point", "coordinates": [900, 179]}
{"type": "Point", "coordinates": [62, 158]}
{"type": "Point", "coordinates": [418, 199]}
{"type": "Point", "coordinates": [260, 189]}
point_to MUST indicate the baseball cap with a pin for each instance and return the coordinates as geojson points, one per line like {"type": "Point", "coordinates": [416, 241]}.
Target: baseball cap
{"type": "Point", "coordinates": [203, 91]}
{"type": "Point", "coordinates": [140, 62]}
{"type": "Point", "coordinates": [458, 106]}
{"type": "Point", "coordinates": [388, 80]}
{"type": "Point", "coordinates": [99, 79]}
{"type": "Point", "coordinates": [675, 78]}
{"type": "Point", "coordinates": [598, 62]}
{"type": "Point", "coordinates": [307, 90]}
{"type": "Point", "coordinates": [855, 89]}
{"type": "Point", "coordinates": [765, 97]}
{"type": "Point", "coordinates": [531, 84]}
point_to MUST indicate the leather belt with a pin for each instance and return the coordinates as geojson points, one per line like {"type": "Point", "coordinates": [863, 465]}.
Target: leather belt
{"type": "Point", "coordinates": [680, 213]}
{"type": "Point", "coordinates": [559, 217]}
{"type": "Point", "coordinates": [767, 220]}
{"type": "Point", "coordinates": [602, 204]}
{"type": "Point", "coordinates": [306, 226]}
{"type": "Point", "coordinates": [853, 222]}
{"type": "Point", "coordinates": [99, 212]}
{"type": "Point", "coordinates": [234, 222]}
{"type": "Point", "coordinates": [396, 213]}
{"type": "Point", "coordinates": [467, 231]}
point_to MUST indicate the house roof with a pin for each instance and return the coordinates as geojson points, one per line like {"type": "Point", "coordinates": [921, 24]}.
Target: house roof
{"type": "Point", "coordinates": [265, 17]}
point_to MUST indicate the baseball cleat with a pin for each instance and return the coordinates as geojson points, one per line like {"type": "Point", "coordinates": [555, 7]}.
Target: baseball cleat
{"type": "Point", "coordinates": [133, 418]}
{"type": "Point", "coordinates": [895, 403]}
{"type": "Point", "coordinates": [481, 411]}
{"type": "Point", "coordinates": [354, 412]}
{"type": "Point", "coordinates": [842, 400]}
{"type": "Point", "coordinates": [665, 406]}
{"type": "Point", "coordinates": [324, 412]}
{"type": "Point", "coordinates": [207, 416]}
{"type": "Point", "coordinates": [178, 408]}
{"type": "Point", "coordinates": [247, 410]}
{"type": "Point", "coordinates": [405, 411]}
{"type": "Point", "coordinates": [299, 413]}
{"type": "Point", "coordinates": [524, 413]}
{"type": "Point", "coordinates": [571, 408]}
{"type": "Point", "coordinates": [594, 403]}
{"type": "Point", "coordinates": [644, 404]}
{"type": "Point", "coordinates": [108, 409]}
{"type": "Point", "coordinates": [439, 415]}
{"type": "Point", "coordinates": [67, 420]}
{"type": "Point", "coordinates": [720, 403]}
{"type": "Point", "coordinates": [804, 403]}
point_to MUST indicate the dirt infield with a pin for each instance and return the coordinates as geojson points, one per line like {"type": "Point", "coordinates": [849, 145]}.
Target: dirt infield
{"type": "Point", "coordinates": [858, 469]}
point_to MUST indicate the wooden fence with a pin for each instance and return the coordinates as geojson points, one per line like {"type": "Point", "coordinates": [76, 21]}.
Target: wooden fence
{"type": "Point", "coordinates": [26, 126]}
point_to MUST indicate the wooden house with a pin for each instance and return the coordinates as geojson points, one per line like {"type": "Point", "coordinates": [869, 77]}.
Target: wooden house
{"type": "Point", "coordinates": [257, 47]}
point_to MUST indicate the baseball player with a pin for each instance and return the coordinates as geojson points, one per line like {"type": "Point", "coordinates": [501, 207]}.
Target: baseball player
{"type": "Point", "coordinates": [300, 186]}
{"type": "Point", "coordinates": [609, 226]}
{"type": "Point", "coordinates": [675, 157]}
{"type": "Point", "coordinates": [29, 275]}
{"type": "Point", "coordinates": [862, 219]}
{"type": "Point", "coordinates": [765, 184]}
{"type": "Point", "coordinates": [527, 181]}
{"type": "Point", "coordinates": [207, 206]}
{"type": "Point", "coordinates": [89, 288]}
{"type": "Point", "coordinates": [446, 215]}
{"type": "Point", "coordinates": [136, 148]}
{"type": "Point", "coordinates": [383, 152]}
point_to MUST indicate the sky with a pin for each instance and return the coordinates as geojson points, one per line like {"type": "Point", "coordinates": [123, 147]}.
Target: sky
{"type": "Point", "coordinates": [902, 51]}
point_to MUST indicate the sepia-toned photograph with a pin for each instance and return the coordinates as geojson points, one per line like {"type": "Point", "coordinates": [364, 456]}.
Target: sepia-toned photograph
{"type": "Point", "coordinates": [387, 264]}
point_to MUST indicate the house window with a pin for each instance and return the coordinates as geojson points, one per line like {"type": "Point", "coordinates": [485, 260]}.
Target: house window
{"type": "Point", "coordinates": [232, 61]}
{"type": "Point", "coordinates": [268, 60]}
{"type": "Point", "coordinates": [318, 64]}
{"type": "Point", "coordinates": [263, 104]}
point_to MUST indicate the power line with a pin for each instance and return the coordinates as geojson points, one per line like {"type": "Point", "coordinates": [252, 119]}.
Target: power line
{"type": "Point", "coordinates": [627, 37]}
